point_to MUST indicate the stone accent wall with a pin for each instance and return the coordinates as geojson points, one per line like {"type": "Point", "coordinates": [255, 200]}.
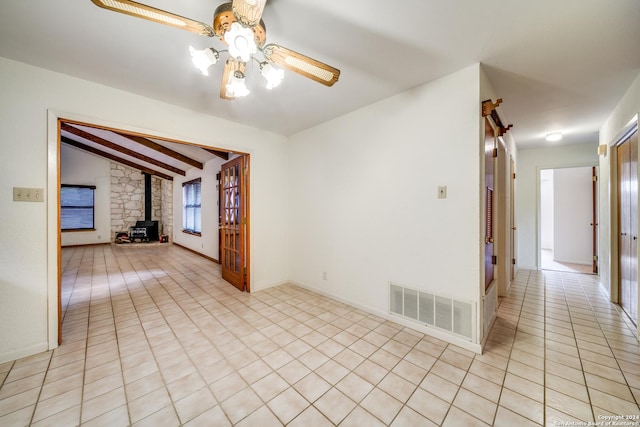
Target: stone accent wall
{"type": "Point", "coordinates": [156, 201]}
{"type": "Point", "coordinates": [127, 199]}
{"type": "Point", "coordinates": [167, 208]}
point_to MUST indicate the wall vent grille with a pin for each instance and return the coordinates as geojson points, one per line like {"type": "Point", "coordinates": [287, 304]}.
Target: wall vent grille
{"type": "Point", "coordinates": [447, 314]}
{"type": "Point", "coordinates": [490, 306]}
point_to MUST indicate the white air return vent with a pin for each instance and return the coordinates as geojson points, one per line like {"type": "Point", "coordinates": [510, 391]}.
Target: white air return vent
{"type": "Point", "coordinates": [447, 314]}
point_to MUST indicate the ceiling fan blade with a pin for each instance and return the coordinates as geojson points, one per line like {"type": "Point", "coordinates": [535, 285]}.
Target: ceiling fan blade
{"type": "Point", "coordinates": [248, 12]}
{"type": "Point", "coordinates": [143, 11]}
{"type": "Point", "coordinates": [230, 67]}
{"type": "Point", "coordinates": [301, 64]}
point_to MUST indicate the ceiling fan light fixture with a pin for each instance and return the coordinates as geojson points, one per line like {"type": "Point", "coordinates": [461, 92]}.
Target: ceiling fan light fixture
{"type": "Point", "coordinates": [553, 136]}
{"type": "Point", "coordinates": [272, 75]}
{"type": "Point", "coordinates": [203, 59]}
{"type": "Point", "coordinates": [248, 12]}
{"type": "Point", "coordinates": [239, 26]}
{"type": "Point", "coordinates": [236, 86]}
{"type": "Point", "coordinates": [241, 42]}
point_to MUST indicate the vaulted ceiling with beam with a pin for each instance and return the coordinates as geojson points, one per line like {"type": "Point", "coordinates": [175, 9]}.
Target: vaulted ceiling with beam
{"type": "Point", "coordinates": [164, 159]}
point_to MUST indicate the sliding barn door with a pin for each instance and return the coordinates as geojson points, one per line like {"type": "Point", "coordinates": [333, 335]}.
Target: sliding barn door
{"type": "Point", "coordinates": [489, 168]}
{"type": "Point", "coordinates": [233, 222]}
{"type": "Point", "coordinates": [512, 214]}
{"type": "Point", "coordinates": [628, 225]}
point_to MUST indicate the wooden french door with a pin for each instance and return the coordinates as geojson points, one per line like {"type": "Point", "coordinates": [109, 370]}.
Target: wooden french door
{"type": "Point", "coordinates": [628, 225]}
{"type": "Point", "coordinates": [233, 222]}
{"type": "Point", "coordinates": [489, 162]}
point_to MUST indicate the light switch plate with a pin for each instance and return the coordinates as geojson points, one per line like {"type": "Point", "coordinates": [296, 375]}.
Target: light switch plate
{"type": "Point", "coordinates": [442, 192]}
{"type": "Point", "coordinates": [21, 194]}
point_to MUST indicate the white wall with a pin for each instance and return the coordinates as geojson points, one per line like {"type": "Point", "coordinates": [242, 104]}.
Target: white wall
{"type": "Point", "coordinates": [32, 98]}
{"type": "Point", "coordinates": [627, 109]}
{"type": "Point", "coordinates": [207, 243]}
{"type": "Point", "coordinates": [530, 162]}
{"type": "Point", "coordinates": [364, 192]}
{"type": "Point", "coordinates": [81, 168]}
{"type": "Point", "coordinates": [546, 209]}
{"type": "Point", "coordinates": [573, 215]}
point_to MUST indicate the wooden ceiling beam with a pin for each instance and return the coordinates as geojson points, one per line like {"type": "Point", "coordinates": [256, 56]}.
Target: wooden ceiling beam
{"type": "Point", "coordinates": [108, 144]}
{"type": "Point", "coordinates": [222, 154]}
{"type": "Point", "coordinates": [162, 149]}
{"type": "Point", "coordinates": [115, 158]}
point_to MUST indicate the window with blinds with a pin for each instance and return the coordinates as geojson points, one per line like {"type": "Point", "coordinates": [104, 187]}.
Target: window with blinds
{"type": "Point", "coordinates": [77, 207]}
{"type": "Point", "coordinates": [191, 197]}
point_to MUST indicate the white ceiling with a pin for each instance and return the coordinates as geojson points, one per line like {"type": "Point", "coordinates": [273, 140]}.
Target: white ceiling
{"type": "Point", "coordinates": [558, 65]}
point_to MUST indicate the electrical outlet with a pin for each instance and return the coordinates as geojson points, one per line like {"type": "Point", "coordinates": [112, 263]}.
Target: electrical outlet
{"type": "Point", "coordinates": [324, 275]}
{"type": "Point", "coordinates": [21, 194]}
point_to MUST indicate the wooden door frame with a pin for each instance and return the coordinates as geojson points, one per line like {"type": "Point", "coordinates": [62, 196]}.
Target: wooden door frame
{"type": "Point", "coordinates": [539, 170]}
{"type": "Point", "coordinates": [54, 239]}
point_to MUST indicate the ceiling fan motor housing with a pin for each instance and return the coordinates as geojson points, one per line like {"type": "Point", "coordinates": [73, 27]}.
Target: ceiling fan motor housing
{"type": "Point", "coordinates": [223, 17]}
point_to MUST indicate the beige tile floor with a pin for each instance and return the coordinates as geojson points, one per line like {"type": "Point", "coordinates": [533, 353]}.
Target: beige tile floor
{"type": "Point", "coordinates": [153, 336]}
{"type": "Point", "coordinates": [548, 263]}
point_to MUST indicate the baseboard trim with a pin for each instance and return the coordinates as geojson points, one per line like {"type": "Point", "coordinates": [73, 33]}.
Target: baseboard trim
{"type": "Point", "coordinates": [24, 352]}
{"type": "Point", "coordinates": [476, 348]}
{"type": "Point", "coordinates": [197, 253]}
{"type": "Point", "coordinates": [85, 245]}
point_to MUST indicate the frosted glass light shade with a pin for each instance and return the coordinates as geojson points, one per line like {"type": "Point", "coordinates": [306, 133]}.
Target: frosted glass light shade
{"type": "Point", "coordinates": [272, 75]}
{"type": "Point", "coordinates": [236, 86]}
{"type": "Point", "coordinates": [203, 59]}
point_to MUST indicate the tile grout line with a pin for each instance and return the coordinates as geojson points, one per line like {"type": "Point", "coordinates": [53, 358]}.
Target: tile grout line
{"type": "Point", "coordinates": [115, 329]}
{"type": "Point", "coordinates": [610, 349]}
{"type": "Point", "coordinates": [37, 401]}
{"type": "Point", "coordinates": [86, 348]}
{"type": "Point", "coordinates": [524, 299]}
{"type": "Point", "coordinates": [586, 386]}
{"type": "Point", "coordinates": [141, 281]}
{"type": "Point", "coordinates": [566, 301]}
{"type": "Point", "coordinates": [170, 299]}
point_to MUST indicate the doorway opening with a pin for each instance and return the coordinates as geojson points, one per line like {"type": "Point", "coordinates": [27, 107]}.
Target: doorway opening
{"type": "Point", "coordinates": [568, 219]}
{"type": "Point", "coordinates": [146, 155]}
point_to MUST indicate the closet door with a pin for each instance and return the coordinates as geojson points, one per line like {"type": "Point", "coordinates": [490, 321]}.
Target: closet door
{"type": "Point", "coordinates": [628, 225]}
{"type": "Point", "coordinates": [633, 227]}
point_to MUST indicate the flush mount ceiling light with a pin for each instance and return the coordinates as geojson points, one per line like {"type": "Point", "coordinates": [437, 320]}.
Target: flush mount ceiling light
{"type": "Point", "coordinates": [239, 27]}
{"type": "Point", "coordinates": [553, 136]}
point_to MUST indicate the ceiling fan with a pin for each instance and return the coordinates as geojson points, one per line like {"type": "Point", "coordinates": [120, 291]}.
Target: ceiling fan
{"type": "Point", "coordinates": [238, 24]}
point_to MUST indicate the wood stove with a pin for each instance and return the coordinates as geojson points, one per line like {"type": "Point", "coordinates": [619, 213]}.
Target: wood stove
{"type": "Point", "coordinates": [145, 231]}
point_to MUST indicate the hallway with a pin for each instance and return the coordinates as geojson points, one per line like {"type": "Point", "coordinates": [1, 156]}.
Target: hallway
{"type": "Point", "coordinates": [153, 336]}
